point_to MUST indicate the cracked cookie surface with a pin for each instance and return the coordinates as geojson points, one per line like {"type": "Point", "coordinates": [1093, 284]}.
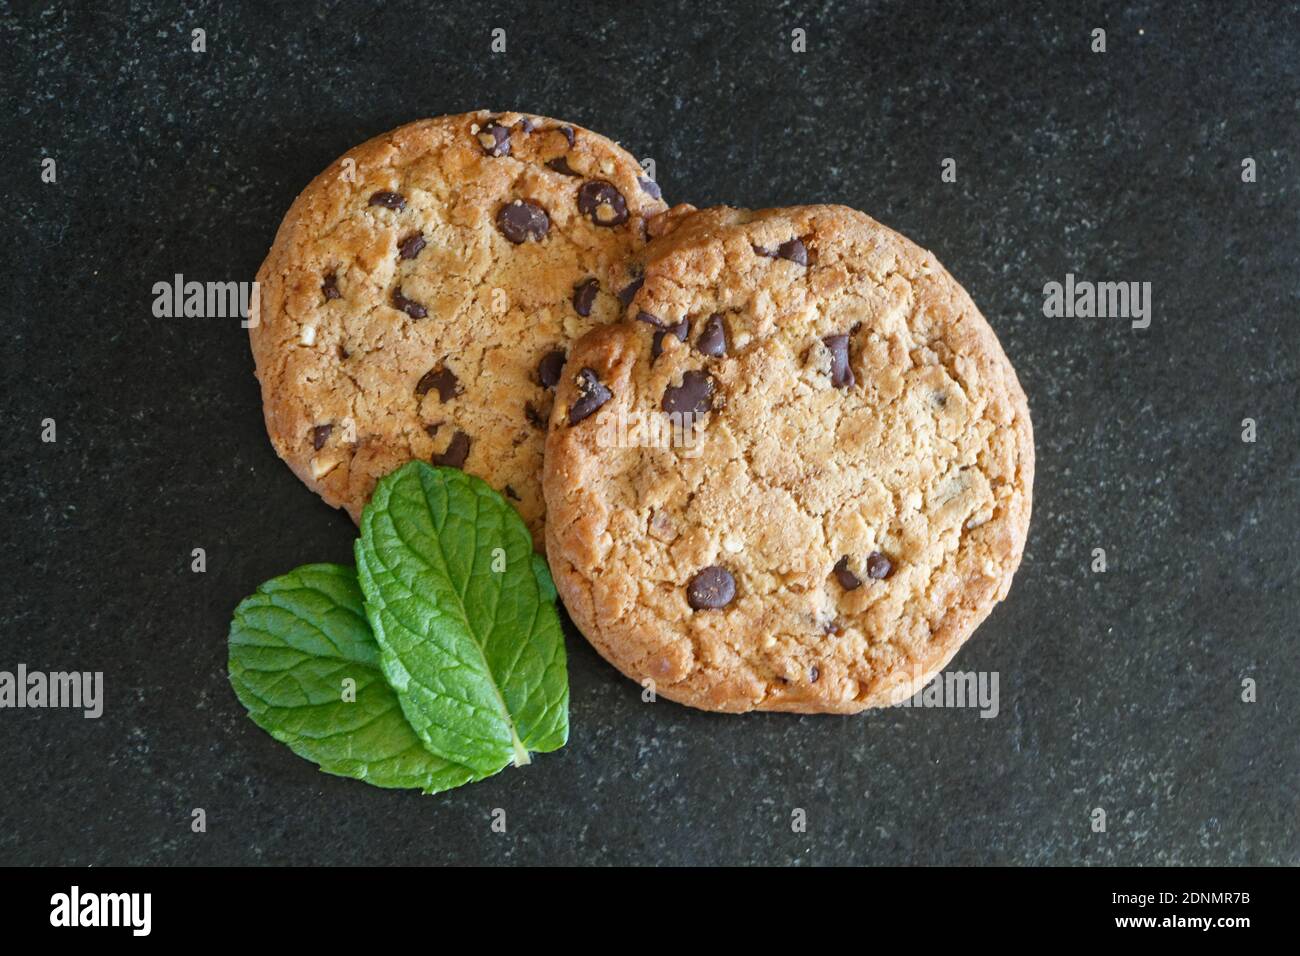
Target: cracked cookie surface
{"type": "Point", "coordinates": [796, 476]}
{"type": "Point", "coordinates": [418, 287]}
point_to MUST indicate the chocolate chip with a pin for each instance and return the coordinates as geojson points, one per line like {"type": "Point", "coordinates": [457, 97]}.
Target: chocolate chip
{"type": "Point", "coordinates": [456, 453]}
{"type": "Point", "coordinates": [343, 354]}
{"type": "Point", "coordinates": [549, 368]}
{"type": "Point", "coordinates": [813, 674]}
{"type": "Point", "coordinates": [650, 188]}
{"type": "Point", "coordinates": [568, 134]}
{"type": "Point", "coordinates": [879, 567]}
{"type": "Point", "coordinates": [561, 165]}
{"type": "Point", "coordinates": [591, 395]}
{"type": "Point", "coordinates": [320, 435]}
{"type": "Point", "coordinates": [511, 493]}
{"type": "Point", "coordinates": [650, 318]}
{"type": "Point", "coordinates": [389, 200]}
{"type": "Point", "coordinates": [713, 340]}
{"type": "Point", "coordinates": [526, 124]}
{"type": "Point", "coordinates": [600, 202]}
{"type": "Point", "coordinates": [494, 139]}
{"type": "Point", "coordinates": [443, 379]}
{"type": "Point", "coordinates": [433, 429]}
{"type": "Point", "coordinates": [409, 306]}
{"type": "Point", "coordinates": [522, 220]}
{"type": "Point", "coordinates": [629, 291]}
{"type": "Point", "coordinates": [410, 246]}
{"type": "Point", "coordinates": [848, 580]}
{"type": "Point", "coordinates": [330, 287]}
{"type": "Point", "coordinates": [694, 395]}
{"type": "Point", "coordinates": [680, 330]}
{"type": "Point", "coordinates": [841, 372]}
{"type": "Point", "coordinates": [535, 418]}
{"type": "Point", "coordinates": [584, 295]}
{"type": "Point", "coordinates": [710, 589]}
{"type": "Point", "coordinates": [794, 250]}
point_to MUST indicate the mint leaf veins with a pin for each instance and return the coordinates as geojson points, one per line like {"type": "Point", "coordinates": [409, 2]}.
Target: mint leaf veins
{"type": "Point", "coordinates": [462, 611]}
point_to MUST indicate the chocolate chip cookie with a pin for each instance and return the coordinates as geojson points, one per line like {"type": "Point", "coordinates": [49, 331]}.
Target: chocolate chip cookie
{"type": "Point", "coordinates": [422, 294]}
{"type": "Point", "coordinates": [797, 474]}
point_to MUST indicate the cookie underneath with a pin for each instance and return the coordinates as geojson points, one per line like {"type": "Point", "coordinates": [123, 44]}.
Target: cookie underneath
{"type": "Point", "coordinates": [422, 292]}
{"type": "Point", "coordinates": [847, 491]}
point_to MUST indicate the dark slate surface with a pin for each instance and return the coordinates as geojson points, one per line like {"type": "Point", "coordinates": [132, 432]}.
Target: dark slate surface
{"type": "Point", "coordinates": [1119, 690]}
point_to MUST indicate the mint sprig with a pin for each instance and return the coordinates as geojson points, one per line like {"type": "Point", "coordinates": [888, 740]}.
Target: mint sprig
{"type": "Point", "coordinates": [468, 634]}
{"type": "Point", "coordinates": [440, 661]}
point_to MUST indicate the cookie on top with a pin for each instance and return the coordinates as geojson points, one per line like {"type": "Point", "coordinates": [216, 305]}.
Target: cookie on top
{"type": "Point", "coordinates": [796, 476]}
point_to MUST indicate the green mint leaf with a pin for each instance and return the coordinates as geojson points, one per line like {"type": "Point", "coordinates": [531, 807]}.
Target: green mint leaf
{"type": "Point", "coordinates": [468, 631]}
{"type": "Point", "coordinates": [544, 582]}
{"type": "Point", "coordinates": [292, 645]}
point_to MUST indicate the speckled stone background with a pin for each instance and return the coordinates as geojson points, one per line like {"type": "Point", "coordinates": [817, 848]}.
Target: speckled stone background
{"type": "Point", "coordinates": [1119, 690]}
